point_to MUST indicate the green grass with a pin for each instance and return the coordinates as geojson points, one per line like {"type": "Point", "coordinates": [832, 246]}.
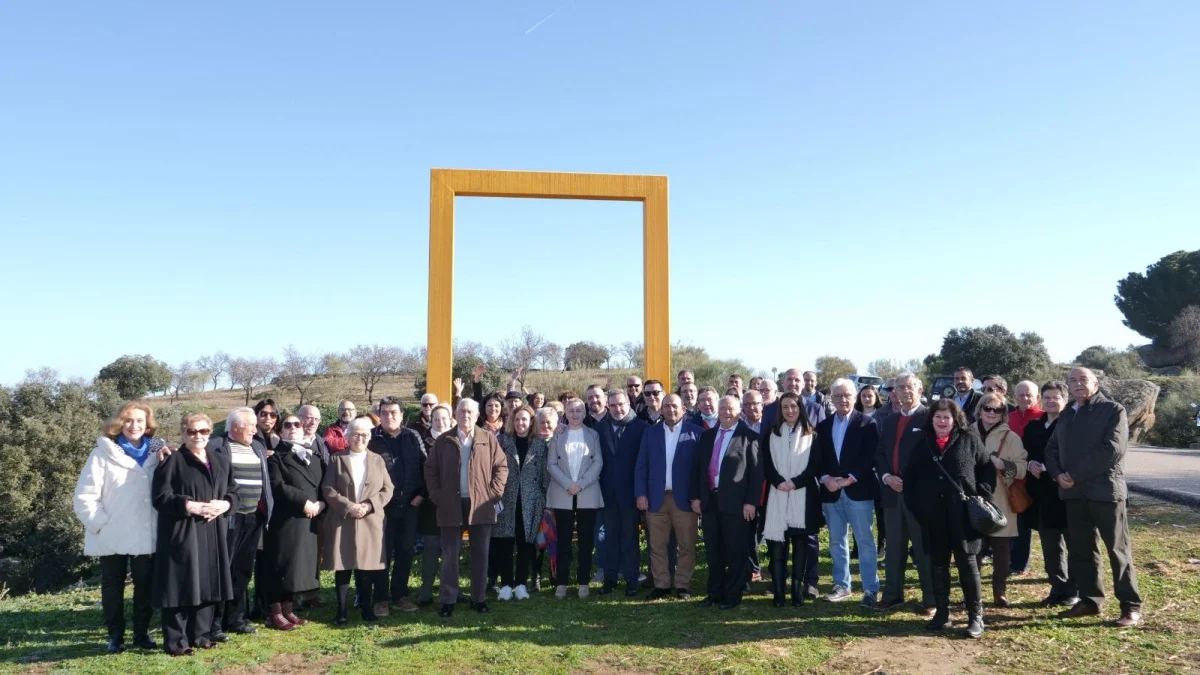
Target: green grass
{"type": "Point", "coordinates": [62, 632]}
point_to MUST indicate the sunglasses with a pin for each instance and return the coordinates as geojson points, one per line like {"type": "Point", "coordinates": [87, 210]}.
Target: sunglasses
{"type": "Point", "coordinates": [198, 432]}
{"type": "Point", "coordinates": [990, 409]}
{"type": "Point", "coordinates": [652, 392]}
{"type": "Point", "coordinates": [267, 413]}
{"type": "Point", "coordinates": [292, 425]}
{"type": "Point", "coordinates": [428, 405]}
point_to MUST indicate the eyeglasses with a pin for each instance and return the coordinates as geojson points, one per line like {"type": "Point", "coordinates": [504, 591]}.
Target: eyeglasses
{"type": "Point", "coordinates": [310, 418]}
{"type": "Point", "coordinates": [653, 392]}
{"type": "Point", "coordinates": [991, 390]}
{"type": "Point", "coordinates": [360, 435]}
{"type": "Point", "coordinates": [428, 405]}
{"type": "Point", "coordinates": [198, 432]}
{"type": "Point", "coordinates": [267, 413]}
{"type": "Point", "coordinates": [292, 425]}
{"type": "Point", "coordinates": [990, 409]}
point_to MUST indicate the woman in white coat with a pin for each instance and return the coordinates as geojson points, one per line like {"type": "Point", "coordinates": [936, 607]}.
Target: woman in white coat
{"type": "Point", "coordinates": [574, 462]}
{"type": "Point", "coordinates": [112, 500]}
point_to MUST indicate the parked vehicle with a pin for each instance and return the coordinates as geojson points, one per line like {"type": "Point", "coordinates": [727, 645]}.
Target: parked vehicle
{"type": "Point", "coordinates": [943, 387]}
{"type": "Point", "coordinates": [861, 381]}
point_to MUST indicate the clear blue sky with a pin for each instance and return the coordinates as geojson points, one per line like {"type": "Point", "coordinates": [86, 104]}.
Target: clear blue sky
{"type": "Point", "coordinates": [180, 178]}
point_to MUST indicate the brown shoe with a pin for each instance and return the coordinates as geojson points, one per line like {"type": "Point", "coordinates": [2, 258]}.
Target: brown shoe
{"type": "Point", "coordinates": [1081, 609]}
{"type": "Point", "coordinates": [1001, 601]}
{"type": "Point", "coordinates": [1129, 619]}
{"type": "Point", "coordinates": [405, 605]}
{"type": "Point", "coordinates": [381, 609]}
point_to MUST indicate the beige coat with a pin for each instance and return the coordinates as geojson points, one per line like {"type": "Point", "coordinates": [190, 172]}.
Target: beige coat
{"type": "Point", "coordinates": [1007, 443]}
{"type": "Point", "coordinates": [351, 544]}
{"type": "Point", "coordinates": [487, 474]}
{"type": "Point", "coordinates": [590, 465]}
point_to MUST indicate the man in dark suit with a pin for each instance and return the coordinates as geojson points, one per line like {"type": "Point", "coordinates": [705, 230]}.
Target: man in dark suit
{"type": "Point", "coordinates": [663, 483]}
{"type": "Point", "coordinates": [705, 414]}
{"type": "Point", "coordinates": [620, 440]}
{"type": "Point", "coordinates": [727, 480]}
{"type": "Point", "coordinates": [793, 381]}
{"type": "Point", "coordinates": [899, 435]}
{"type": "Point", "coordinates": [845, 449]}
{"type": "Point", "coordinates": [964, 392]}
{"type": "Point", "coordinates": [1086, 457]}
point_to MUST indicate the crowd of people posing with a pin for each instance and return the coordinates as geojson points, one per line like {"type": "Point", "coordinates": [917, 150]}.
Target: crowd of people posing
{"type": "Point", "coordinates": [575, 482]}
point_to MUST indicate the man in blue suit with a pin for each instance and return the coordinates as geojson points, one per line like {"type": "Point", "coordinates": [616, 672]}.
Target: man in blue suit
{"type": "Point", "coordinates": [793, 381]}
{"type": "Point", "coordinates": [620, 440]}
{"type": "Point", "coordinates": [663, 481]}
{"type": "Point", "coordinates": [845, 449]}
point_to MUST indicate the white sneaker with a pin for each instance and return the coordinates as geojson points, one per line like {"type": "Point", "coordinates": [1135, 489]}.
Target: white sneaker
{"type": "Point", "coordinates": [505, 593]}
{"type": "Point", "coordinates": [521, 592]}
{"type": "Point", "coordinates": [583, 591]}
{"type": "Point", "coordinates": [560, 592]}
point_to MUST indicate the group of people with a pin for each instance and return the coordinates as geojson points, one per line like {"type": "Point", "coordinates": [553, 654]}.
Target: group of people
{"type": "Point", "coordinates": [276, 500]}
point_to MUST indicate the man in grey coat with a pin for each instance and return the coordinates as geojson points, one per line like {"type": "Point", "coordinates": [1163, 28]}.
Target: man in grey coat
{"type": "Point", "coordinates": [899, 435]}
{"type": "Point", "coordinates": [1086, 457]}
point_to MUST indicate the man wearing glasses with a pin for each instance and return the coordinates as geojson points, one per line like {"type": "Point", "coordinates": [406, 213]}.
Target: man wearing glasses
{"type": "Point", "coordinates": [633, 389]}
{"type": "Point", "coordinates": [652, 396]}
{"type": "Point", "coordinates": [247, 451]}
{"type": "Point", "coordinates": [995, 384]}
{"type": "Point", "coordinates": [335, 435]}
{"type": "Point", "coordinates": [423, 425]}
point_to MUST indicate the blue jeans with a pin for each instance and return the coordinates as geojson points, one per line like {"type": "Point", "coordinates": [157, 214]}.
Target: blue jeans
{"type": "Point", "coordinates": [859, 516]}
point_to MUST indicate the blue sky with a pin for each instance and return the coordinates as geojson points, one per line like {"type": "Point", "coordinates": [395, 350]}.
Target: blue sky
{"type": "Point", "coordinates": [180, 178]}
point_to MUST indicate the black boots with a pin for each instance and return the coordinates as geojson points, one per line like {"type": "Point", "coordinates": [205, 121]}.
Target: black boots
{"type": "Point", "coordinates": [799, 546]}
{"type": "Point", "coordinates": [778, 572]}
{"type": "Point", "coordinates": [975, 620]}
{"type": "Point", "coordinates": [941, 598]}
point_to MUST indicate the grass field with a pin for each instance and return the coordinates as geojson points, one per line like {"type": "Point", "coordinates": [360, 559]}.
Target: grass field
{"type": "Point", "coordinates": [63, 632]}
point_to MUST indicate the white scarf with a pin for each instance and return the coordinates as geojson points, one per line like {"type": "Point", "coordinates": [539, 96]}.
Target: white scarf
{"type": "Point", "coordinates": [790, 454]}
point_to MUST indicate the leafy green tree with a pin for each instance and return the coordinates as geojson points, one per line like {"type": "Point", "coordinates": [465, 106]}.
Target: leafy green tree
{"type": "Point", "coordinates": [1114, 362]}
{"type": "Point", "coordinates": [830, 368]}
{"type": "Point", "coordinates": [494, 377]}
{"type": "Point", "coordinates": [46, 433]}
{"type": "Point", "coordinates": [994, 349]}
{"type": "Point", "coordinates": [1151, 301]}
{"type": "Point", "coordinates": [137, 375]}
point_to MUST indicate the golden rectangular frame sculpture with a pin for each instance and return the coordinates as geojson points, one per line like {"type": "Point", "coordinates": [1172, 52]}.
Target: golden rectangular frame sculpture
{"type": "Point", "coordinates": [446, 184]}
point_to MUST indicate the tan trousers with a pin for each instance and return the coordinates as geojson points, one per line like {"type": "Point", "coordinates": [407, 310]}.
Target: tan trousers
{"type": "Point", "coordinates": [669, 518]}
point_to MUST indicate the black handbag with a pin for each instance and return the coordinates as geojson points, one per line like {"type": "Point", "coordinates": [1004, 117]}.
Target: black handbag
{"type": "Point", "coordinates": [983, 516]}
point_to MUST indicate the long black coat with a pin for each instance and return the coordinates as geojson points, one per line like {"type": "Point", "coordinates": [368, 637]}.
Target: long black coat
{"type": "Point", "coordinates": [1048, 508]}
{"type": "Point", "coordinates": [290, 544]}
{"type": "Point", "coordinates": [935, 502]}
{"type": "Point", "coordinates": [191, 561]}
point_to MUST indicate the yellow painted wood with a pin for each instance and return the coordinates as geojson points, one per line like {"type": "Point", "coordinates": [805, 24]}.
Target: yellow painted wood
{"type": "Point", "coordinates": [440, 359]}
{"type": "Point", "coordinates": [446, 184]}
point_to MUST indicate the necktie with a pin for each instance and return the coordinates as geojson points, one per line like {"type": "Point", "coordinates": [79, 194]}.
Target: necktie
{"type": "Point", "coordinates": [900, 425]}
{"type": "Point", "coordinates": [714, 464]}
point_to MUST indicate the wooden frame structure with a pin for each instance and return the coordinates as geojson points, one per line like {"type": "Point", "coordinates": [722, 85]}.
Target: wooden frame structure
{"type": "Point", "coordinates": [446, 184]}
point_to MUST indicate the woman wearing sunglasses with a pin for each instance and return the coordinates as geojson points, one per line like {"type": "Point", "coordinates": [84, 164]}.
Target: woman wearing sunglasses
{"type": "Point", "coordinates": [1008, 456]}
{"type": "Point", "coordinates": [193, 491]}
{"type": "Point", "coordinates": [290, 544]}
{"type": "Point", "coordinates": [112, 500]}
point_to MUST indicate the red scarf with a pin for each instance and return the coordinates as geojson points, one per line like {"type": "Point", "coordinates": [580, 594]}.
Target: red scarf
{"type": "Point", "coordinates": [942, 443]}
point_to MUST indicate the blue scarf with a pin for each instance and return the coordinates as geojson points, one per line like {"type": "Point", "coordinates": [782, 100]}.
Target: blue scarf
{"type": "Point", "coordinates": [139, 453]}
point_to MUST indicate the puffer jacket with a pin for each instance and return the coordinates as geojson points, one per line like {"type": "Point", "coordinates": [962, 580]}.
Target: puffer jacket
{"type": "Point", "coordinates": [112, 500]}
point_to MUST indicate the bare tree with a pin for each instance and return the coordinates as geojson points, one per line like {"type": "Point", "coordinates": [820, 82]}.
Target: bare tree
{"type": "Point", "coordinates": [214, 365]}
{"type": "Point", "coordinates": [370, 363]}
{"type": "Point", "coordinates": [45, 376]}
{"type": "Point", "coordinates": [298, 371]}
{"type": "Point", "coordinates": [185, 379]}
{"type": "Point", "coordinates": [884, 368]}
{"type": "Point", "coordinates": [334, 364]}
{"type": "Point", "coordinates": [249, 374]}
{"type": "Point", "coordinates": [522, 351]}
{"type": "Point", "coordinates": [551, 356]}
{"type": "Point", "coordinates": [634, 353]}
